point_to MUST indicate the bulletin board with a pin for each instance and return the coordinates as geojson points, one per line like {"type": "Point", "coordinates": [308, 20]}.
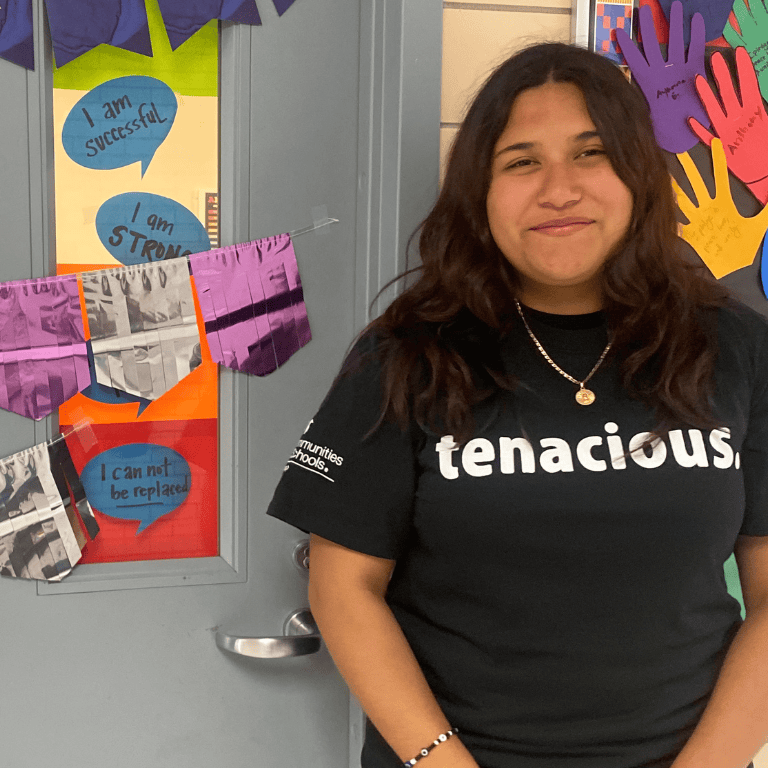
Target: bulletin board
{"type": "Point", "coordinates": [703, 68]}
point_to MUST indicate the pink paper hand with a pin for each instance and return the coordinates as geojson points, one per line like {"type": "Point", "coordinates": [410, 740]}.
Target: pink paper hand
{"type": "Point", "coordinates": [742, 125]}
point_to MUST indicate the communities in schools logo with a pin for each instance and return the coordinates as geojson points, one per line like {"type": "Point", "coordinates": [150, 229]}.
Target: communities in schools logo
{"type": "Point", "coordinates": [315, 458]}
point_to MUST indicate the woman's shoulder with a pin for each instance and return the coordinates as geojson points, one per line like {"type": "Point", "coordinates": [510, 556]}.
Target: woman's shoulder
{"type": "Point", "coordinates": [378, 343]}
{"type": "Point", "coordinates": [377, 350]}
{"type": "Point", "coordinates": [739, 323]}
{"type": "Point", "coordinates": [743, 344]}
{"type": "Point", "coordinates": [364, 355]}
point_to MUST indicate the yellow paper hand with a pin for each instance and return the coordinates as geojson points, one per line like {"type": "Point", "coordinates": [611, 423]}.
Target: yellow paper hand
{"type": "Point", "coordinates": [724, 239]}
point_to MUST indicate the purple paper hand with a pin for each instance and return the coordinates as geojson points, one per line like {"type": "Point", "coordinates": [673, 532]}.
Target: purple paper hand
{"type": "Point", "coordinates": [669, 87]}
{"type": "Point", "coordinates": [714, 12]}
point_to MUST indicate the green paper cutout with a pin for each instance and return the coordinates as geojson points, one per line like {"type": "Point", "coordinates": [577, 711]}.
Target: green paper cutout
{"type": "Point", "coordinates": [753, 22]}
{"type": "Point", "coordinates": [733, 582]}
{"type": "Point", "coordinates": [192, 70]}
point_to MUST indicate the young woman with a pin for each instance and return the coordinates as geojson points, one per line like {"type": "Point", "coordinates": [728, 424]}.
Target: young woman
{"type": "Point", "coordinates": [524, 484]}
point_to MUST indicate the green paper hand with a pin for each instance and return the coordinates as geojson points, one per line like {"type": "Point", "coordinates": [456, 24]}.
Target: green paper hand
{"type": "Point", "coordinates": [753, 22]}
{"type": "Point", "coordinates": [724, 239]}
{"type": "Point", "coordinates": [741, 123]}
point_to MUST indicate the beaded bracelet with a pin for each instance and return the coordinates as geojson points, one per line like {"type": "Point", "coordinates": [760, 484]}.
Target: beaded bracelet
{"type": "Point", "coordinates": [436, 743]}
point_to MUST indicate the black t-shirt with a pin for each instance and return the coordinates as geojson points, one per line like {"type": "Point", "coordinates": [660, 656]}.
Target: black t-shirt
{"type": "Point", "coordinates": [566, 601]}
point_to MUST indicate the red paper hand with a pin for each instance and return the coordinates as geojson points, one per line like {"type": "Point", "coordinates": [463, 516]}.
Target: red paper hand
{"type": "Point", "coordinates": [741, 124]}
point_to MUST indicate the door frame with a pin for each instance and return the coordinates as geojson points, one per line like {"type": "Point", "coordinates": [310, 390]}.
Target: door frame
{"type": "Point", "coordinates": [398, 162]}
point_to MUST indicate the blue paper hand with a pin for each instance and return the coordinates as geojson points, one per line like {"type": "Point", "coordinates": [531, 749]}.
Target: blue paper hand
{"type": "Point", "coordinates": [669, 86]}
{"type": "Point", "coordinates": [714, 12]}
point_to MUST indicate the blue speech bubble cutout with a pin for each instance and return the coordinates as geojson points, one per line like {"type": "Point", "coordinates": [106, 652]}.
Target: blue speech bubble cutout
{"type": "Point", "coordinates": [137, 481]}
{"type": "Point", "coordinates": [110, 395]}
{"type": "Point", "coordinates": [120, 122]}
{"type": "Point", "coordinates": [139, 227]}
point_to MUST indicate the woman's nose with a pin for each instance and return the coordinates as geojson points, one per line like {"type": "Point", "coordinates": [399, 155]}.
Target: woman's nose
{"type": "Point", "coordinates": [560, 187]}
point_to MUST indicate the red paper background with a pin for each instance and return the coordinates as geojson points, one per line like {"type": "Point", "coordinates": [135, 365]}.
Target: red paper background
{"type": "Point", "coordinates": [191, 530]}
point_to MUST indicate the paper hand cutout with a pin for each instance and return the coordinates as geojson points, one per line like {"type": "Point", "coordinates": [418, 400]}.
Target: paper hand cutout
{"type": "Point", "coordinates": [714, 12]}
{"type": "Point", "coordinates": [753, 22]}
{"type": "Point", "coordinates": [741, 125]}
{"type": "Point", "coordinates": [669, 87]}
{"type": "Point", "coordinates": [724, 239]}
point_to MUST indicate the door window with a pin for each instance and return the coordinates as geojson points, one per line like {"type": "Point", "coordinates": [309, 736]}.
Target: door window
{"type": "Point", "coordinates": [136, 151]}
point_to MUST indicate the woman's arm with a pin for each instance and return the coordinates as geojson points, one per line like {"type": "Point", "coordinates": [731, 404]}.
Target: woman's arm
{"type": "Point", "coordinates": [346, 595]}
{"type": "Point", "coordinates": [734, 725]}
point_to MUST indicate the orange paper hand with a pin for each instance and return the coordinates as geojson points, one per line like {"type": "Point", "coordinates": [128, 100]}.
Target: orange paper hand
{"type": "Point", "coordinates": [724, 239]}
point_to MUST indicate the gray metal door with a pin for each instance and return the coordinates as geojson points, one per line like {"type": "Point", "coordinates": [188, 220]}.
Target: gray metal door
{"type": "Point", "coordinates": [334, 109]}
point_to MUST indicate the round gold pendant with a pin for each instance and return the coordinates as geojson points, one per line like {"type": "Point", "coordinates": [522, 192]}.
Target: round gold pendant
{"type": "Point", "coordinates": [585, 396]}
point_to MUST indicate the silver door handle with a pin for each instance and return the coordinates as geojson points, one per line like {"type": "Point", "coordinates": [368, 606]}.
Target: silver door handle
{"type": "Point", "coordinates": [300, 637]}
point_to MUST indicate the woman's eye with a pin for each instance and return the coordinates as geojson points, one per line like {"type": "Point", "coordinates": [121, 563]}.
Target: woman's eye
{"type": "Point", "coordinates": [522, 163]}
{"type": "Point", "coordinates": [593, 152]}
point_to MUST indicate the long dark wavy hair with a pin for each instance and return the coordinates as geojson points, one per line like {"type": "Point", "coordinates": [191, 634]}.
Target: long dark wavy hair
{"type": "Point", "coordinates": [439, 341]}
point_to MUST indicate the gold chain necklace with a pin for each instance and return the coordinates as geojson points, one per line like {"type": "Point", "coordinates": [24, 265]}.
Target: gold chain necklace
{"type": "Point", "coordinates": [583, 396]}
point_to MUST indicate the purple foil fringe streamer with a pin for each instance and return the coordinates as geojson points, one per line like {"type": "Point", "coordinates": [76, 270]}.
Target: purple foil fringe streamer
{"type": "Point", "coordinates": [143, 327]}
{"type": "Point", "coordinates": [77, 26]}
{"type": "Point", "coordinates": [252, 303]}
{"type": "Point", "coordinates": [16, 39]}
{"type": "Point", "coordinates": [38, 489]}
{"type": "Point", "coordinates": [183, 18]}
{"type": "Point", "coordinates": [43, 355]}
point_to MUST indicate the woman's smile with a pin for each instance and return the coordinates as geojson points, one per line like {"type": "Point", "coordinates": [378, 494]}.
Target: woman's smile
{"type": "Point", "coordinates": [562, 227]}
